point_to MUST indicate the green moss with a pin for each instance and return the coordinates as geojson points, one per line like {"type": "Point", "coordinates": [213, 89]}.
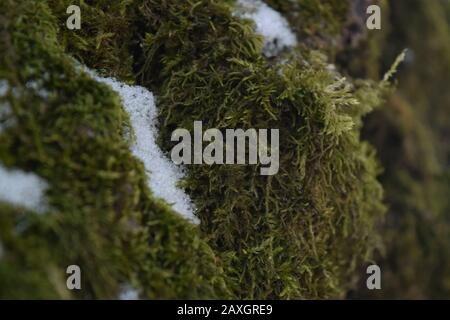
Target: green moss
{"type": "Point", "coordinates": [299, 234]}
{"type": "Point", "coordinates": [107, 38]}
{"type": "Point", "coordinates": [313, 19]}
{"type": "Point", "coordinates": [103, 218]}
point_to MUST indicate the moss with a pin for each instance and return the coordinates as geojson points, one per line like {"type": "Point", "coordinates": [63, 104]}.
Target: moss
{"type": "Point", "coordinates": [27, 261]}
{"type": "Point", "coordinates": [299, 234]}
{"type": "Point", "coordinates": [102, 218]}
{"type": "Point", "coordinates": [416, 230]}
{"type": "Point", "coordinates": [107, 38]}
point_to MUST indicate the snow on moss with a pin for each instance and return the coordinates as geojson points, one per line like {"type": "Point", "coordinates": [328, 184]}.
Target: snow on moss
{"type": "Point", "coordinates": [128, 293]}
{"type": "Point", "coordinates": [163, 175]}
{"type": "Point", "coordinates": [4, 87]}
{"type": "Point", "coordinates": [18, 188]}
{"type": "Point", "coordinates": [23, 189]}
{"type": "Point", "coordinates": [270, 24]}
{"type": "Point", "coordinates": [5, 108]}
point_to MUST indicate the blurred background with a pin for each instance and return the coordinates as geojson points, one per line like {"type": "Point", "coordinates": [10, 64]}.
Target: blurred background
{"type": "Point", "coordinates": [411, 131]}
{"type": "Point", "coordinates": [412, 135]}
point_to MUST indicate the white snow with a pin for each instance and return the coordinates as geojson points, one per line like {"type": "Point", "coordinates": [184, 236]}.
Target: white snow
{"type": "Point", "coordinates": [19, 188]}
{"type": "Point", "coordinates": [163, 175]}
{"type": "Point", "coordinates": [4, 87]}
{"type": "Point", "coordinates": [128, 293]}
{"type": "Point", "coordinates": [5, 109]}
{"type": "Point", "coordinates": [23, 189]}
{"type": "Point", "coordinates": [270, 24]}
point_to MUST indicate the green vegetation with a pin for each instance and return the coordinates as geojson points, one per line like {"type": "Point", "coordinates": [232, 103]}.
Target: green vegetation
{"type": "Point", "coordinates": [103, 218]}
{"type": "Point", "coordinates": [314, 20]}
{"type": "Point", "coordinates": [304, 233]}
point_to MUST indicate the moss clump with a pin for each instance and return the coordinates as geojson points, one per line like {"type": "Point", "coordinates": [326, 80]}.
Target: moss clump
{"type": "Point", "coordinates": [107, 38]}
{"type": "Point", "coordinates": [299, 234]}
{"type": "Point", "coordinates": [102, 218]}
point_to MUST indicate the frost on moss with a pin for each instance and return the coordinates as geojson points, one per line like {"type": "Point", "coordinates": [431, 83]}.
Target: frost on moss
{"type": "Point", "coordinates": [299, 234]}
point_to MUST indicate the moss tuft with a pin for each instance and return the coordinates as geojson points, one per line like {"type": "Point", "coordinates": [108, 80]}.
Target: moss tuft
{"type": "Point", "coordinates": [102, 218]}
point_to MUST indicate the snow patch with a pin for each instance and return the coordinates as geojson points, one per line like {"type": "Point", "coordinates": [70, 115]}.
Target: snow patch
{"type": "Point", "coordinates": [4, 87]}
{"type": "Point", "coordinates": [270, 24]}
{"type": "Point", "coordinates": [23, 189]}
{"type": "Point", "coordinates": [163, 175]}
{"type": "Point", "coordinates": [19, 188]}
{"type": "Point", "coordinates": [128, 293]}
{"type": "Point", "coordinates": [5, 108]}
